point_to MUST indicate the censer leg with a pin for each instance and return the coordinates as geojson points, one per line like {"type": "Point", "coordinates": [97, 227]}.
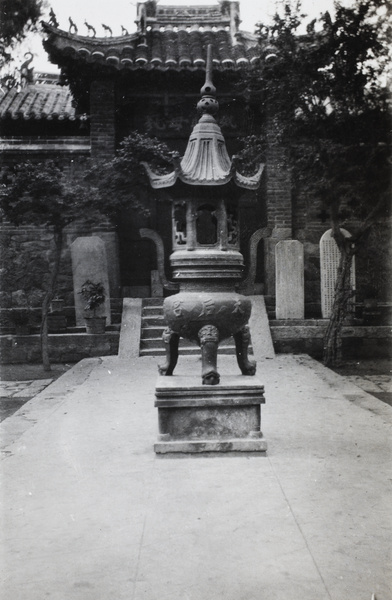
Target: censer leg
{"type": "Point", "coordinates": [242, 340]}
{"type": "Point", "coordinates": [171, 341]}
{"type": "Point", "coordinates": [209, 341]}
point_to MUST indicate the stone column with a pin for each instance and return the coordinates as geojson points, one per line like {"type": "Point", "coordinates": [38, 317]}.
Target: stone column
{"type": "Point", "coordinates": [290, 297]}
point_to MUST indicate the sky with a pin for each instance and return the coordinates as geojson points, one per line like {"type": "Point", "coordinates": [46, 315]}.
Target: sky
{"type": "Point", "coordinates": [115, 13]}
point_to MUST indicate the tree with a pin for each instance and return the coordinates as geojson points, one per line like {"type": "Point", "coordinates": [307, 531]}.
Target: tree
{"type": "Point", "coordinates": [45, 195]}
{"type": "Point", "coordinates": [326, 99]}
{"type": "Point", "coordinates": [124, 177]}
{"type": "Point", "coordinates": [42, 194]}
{"type": "Point", "coordinates": [18, 17]}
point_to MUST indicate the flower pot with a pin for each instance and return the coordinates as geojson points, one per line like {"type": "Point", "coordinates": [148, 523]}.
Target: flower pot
{"type": "Point", "coordinates": [95, 325]}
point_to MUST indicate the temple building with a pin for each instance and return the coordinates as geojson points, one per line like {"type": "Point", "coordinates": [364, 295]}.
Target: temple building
{"type": "Point", "coordinates": [149, 81]}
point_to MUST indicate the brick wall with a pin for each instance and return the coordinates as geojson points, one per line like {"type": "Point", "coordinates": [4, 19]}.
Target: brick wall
{"type": "Point", "coordinates": [279, 207]}
{"type": "Point", "coordinates": [278, 189]}
{"type": "Point", "coordinates": [27, 258]}
{"type": "Point", "coordinates": [102, 118]}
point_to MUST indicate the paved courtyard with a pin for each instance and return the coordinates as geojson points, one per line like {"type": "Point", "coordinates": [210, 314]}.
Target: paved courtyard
{"type": "Point", "coordinates": [13, 394]}
{"type": "Point", "coordinates": [89, 511]}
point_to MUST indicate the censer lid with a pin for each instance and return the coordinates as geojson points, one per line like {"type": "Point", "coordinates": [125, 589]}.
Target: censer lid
{"type": "Point", "coordinates": [206, 161]}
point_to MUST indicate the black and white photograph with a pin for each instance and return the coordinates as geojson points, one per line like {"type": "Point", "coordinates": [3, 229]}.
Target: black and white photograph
{"type": "Point", "coordinates": [195, 300]}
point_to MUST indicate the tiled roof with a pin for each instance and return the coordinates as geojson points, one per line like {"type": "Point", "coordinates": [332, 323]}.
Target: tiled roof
{"type": "Point", "coordinates": [168, 37]}
{"type": "Point", "coordinates": [38, 101]}
{"type": "Point", "coordinates": [161, 49]}
{"type": "Point", "coordinates": [46, 145]}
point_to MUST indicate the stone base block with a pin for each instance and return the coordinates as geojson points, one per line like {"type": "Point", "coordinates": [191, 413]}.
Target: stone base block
{"type": "Point", "coordinates": [210, 446]}
{"type": "Point", "coordinates": [196, 418]}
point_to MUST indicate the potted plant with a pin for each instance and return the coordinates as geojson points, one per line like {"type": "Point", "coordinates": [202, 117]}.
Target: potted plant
{"type": "Point", "coordinates": [21, 320]}
{"type": "Point", "coordinates": [94, 296]}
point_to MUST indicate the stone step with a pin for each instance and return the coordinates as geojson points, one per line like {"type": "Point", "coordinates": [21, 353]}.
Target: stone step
{"type": "Point", "coordinates": [156, 342]}
{"type": "Point", "coordinates": [152, 332]}
{"type": "Point", "coordinates": [147, 302]}
{"type": "Point", "coordinates": [150, 311]}
{"type": "Point", "coordinates": [185, 350]}
{"type": "Point", "coordinates": [116, 302]}
{"type": "Point", "coordinates": [153, 321]}
{"type": "Point", "coordinates": [188, 351]}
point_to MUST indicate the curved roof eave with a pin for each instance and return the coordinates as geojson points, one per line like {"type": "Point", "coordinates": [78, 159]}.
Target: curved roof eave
{"type": "Point", "coordinates": [149, 50]}
{"type": "Point", "coordinates": [168, 180]}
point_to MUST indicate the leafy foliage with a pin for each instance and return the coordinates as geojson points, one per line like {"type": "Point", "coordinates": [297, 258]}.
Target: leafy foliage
{"type": "Point", "coordinates": [325, 97]}
{"type": "Point", "coordinates": [42, 194]}
{"type": "Point", "coordinates": [93, 294]}
{"type": "Point", "coordinates": [17, 17]}
{"type": "Point", "coordinates": [122, 183]}
{"type": "Point", "coordinates": [339, 66]}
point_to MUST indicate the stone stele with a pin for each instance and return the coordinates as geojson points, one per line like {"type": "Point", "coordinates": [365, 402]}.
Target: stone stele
{"type": "Point", "coordinates": [329, 263]}
{"type": "Point", "coordinates": [89, 262]}
{"type": "Point", "coordinates": [290, 296]}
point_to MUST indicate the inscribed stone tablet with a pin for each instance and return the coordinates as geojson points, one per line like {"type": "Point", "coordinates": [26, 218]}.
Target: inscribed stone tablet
{"type": "Point", "coordinates": [89, 262]}
{"type": "Point", "coordinates": [329, 262]}
{"type": "Point", "coordinates": [290, 300]}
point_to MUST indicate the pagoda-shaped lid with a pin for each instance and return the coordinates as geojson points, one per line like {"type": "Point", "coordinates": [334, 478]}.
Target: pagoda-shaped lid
{"type": "Point", "coordinates": [206, 161]}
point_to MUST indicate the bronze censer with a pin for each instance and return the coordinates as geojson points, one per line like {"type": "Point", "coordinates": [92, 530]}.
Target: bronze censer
{"type": "Point", "coordinates": [206, 260]}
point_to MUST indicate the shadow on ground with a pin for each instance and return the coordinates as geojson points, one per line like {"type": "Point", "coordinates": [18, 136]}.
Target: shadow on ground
{"type": "Point", "coordinates": [24, 372]}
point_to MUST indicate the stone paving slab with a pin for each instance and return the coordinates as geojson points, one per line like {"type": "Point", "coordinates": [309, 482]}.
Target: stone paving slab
{"type": "Point", "coordinates": [386, 387]}
{"type": "Point", "coordinates": [28, 392]}
{"type": "Point", "coordinates": [23, 389]}
{"type": "Point", "coordinates": [40, 382]}
{"type": "Point", "coordinates": [91, 513]}
{"type": "Point", "coordinates": [364, 383]}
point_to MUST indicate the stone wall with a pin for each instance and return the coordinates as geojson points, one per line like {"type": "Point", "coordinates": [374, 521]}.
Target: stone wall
{"type": "Point", "coordinates": [308, 337]}
{"type": "Point", "coordinates": [279, 207]}
{"type": "Point", "coordinates": [102, 118]}
{"type": "Point", "coordinates": [27, 258]}
{"type": "Point", "coordinates": [63, 348]}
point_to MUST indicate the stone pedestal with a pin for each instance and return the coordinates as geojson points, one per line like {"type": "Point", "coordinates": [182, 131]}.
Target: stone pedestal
{"type": "Point", "coordinates": [195, 418]}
